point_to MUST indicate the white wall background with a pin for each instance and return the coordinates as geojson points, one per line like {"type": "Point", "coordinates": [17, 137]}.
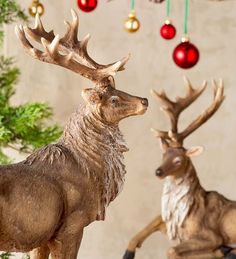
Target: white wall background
{"type": "Point", "coordinates": [213, 30]}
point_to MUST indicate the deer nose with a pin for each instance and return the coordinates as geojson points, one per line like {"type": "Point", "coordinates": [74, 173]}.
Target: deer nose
{"type": "Point", "coordinates": [159, 172]}
{"type": "Point", "coordinates": [144, 101]}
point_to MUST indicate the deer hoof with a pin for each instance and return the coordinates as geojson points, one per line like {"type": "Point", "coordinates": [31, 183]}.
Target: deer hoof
{"type": "Point", "coordinates": [230, 256]}
{"type": "Point", "coordinates": [129, 255]}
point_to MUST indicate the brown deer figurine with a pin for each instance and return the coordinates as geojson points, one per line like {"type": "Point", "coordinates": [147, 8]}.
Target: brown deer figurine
{"type": "Point", "coordinates": [48, 199]}
{"type": "Point", "coordinates": [201, 222]}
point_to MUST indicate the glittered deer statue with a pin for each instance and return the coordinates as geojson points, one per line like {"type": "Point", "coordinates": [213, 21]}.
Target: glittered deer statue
{"type": "Point", "coordinates": [48, 199]}
{"type": "Point", "coordinates": [203, 223]}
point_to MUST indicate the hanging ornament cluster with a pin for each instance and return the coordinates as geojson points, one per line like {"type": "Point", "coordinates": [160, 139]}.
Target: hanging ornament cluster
{"type": "Point", "coordinates": [186, 54]}
{"type": "Point", "coordinates": [36, 7]}
{"type": "Point", "coordinates": [87, 5]}
{"type": "Point", "coordinates": [132, 24]}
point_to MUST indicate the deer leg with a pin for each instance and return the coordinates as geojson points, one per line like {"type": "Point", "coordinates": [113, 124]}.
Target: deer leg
{"type": "Point", "coordinates": [66, 243]}
{"type": "Point", "coordinates": [66, 246]}
{"type": "Point", "coordinates": [40, 253]}
{"type": "Point", "coordinates": [196, 249]}
{"type": "Point", "coordinates": [137, 240]}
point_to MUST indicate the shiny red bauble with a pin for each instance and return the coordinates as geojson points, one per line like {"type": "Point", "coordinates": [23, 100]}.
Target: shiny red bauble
{"type": "Point", "coordinates": [87, 5]}
{"type": "Point", "coordinates": [168, 31]}
{"type": "Point", "coordinates": [186, 55]}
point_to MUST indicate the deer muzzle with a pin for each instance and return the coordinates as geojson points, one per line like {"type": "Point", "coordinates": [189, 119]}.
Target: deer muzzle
{"type": "Point", "coordinates": [142, 108]}
{"type": "Point", "coordinates": [159, 172]}
{"type": "Point", "coordinates": [144, 102]}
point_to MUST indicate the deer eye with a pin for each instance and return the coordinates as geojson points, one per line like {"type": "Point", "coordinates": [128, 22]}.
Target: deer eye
{"type": "Point", "coordinates": [114, 99]}
{"type": "Point", "coordinates": [178, 160]}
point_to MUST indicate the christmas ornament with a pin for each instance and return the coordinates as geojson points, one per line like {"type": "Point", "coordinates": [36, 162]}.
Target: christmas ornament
{"type": "Point", "coordinates": [87, 5]}
{"type": "Point", "coordinates": [168, 30]}
{"type": "Point", "coordinates": [132, 24]}
{"type": "Point", "coordinates": [186, 54]}
{"type": "Point", "coordinates": [36, 7]}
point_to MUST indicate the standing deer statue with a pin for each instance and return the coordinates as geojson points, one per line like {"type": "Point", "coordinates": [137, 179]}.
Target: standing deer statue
{"type": "Point", "coordinates": [49, 198]}
{"type": "Point", "coordinates": [202, 222]}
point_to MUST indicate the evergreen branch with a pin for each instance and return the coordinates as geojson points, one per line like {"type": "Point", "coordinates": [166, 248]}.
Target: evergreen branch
{"type": "Point", "coordinates": [6, 255]}
{"type": "Point", "coordinates": [10, 11]}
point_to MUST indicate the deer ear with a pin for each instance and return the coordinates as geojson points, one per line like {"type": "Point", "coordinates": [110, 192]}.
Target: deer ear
{"type": "Point", "coordinates": [163, 144]}
{"type": "Point", "coordinates": [194, 151]}
{"type": "Point", "coordinates": [112, 81]}
{"type": "Point", "coordinates": [90, 95]}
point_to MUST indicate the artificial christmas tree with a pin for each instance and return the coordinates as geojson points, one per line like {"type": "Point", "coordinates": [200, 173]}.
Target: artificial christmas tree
{"type": "Point", "coordinates": [21, 127]}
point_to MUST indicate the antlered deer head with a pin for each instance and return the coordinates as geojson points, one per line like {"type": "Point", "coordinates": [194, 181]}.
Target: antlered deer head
{"type": "Point", "coordinates": [176, 158]}
{"type": "Point", "coordinates": [108, 103]}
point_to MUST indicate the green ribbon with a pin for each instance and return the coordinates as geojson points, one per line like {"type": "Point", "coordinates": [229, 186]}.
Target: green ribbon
{"type": "Point", "coordinates": [168, 8]}
{"type": "Point", "coordinates": [133, 5]}
{"type": "Point", "coordinates": [186, 16]}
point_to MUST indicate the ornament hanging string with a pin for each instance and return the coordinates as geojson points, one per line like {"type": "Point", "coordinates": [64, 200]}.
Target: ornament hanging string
{"type": "Point", "coordinates": [133, 5]}
{"type": "Point", "coordinates": [168, 8]}
{"type": "Point", "coordinates": [186, 17]}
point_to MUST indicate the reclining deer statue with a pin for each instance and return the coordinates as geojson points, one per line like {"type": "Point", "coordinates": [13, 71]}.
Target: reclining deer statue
{"type": "Point", "coordinates": [201, 222]}
{"type": "Point", "coordinates": [48, 199]}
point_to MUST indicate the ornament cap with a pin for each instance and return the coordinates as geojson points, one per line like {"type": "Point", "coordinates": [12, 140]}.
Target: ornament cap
{"type": "Point", "coordinates": [168, 21]}
{"type": "Point", "coordinates": [132, 14]}
{"type": "Point", "coordinates": [185, 38]}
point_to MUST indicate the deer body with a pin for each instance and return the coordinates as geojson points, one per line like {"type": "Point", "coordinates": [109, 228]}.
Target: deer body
{"type": "Point", "coordinates": [49, 198]}
{"type": "Point", "coordinates": [186, 206]}
{"type": "Point", "coordinates": [201, 222]}
{"type": "Point", "coordinates": [80, 174]}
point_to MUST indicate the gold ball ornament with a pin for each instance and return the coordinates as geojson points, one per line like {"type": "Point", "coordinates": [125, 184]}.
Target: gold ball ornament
{"type": "Point", "coordinates": [36, 7]}
{"type": "Point", "coordinates": [132, 24]}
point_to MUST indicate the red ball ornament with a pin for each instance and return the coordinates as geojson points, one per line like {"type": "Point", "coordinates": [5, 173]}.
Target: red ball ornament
{"type": "Point", "coordinates": [168, 30]}
{"type": "Point", "coordinates": [87, 5]}
{"type": "Point", "coordinates": [186, 55]}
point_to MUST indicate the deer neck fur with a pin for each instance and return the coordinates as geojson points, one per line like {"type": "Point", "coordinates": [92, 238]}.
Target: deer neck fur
{"type": "Point", "coordinates": [177, 200]}
{"type": "Point", "coordinates": [98, 148]}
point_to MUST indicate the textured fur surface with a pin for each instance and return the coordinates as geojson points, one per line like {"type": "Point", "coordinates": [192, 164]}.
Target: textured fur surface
{"type": "Point", "coordinates": [99, 149]}
{"type": "Point", "coordinates": [177, 199]}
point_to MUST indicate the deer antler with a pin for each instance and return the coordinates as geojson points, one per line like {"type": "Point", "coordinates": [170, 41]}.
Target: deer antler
{"type": "Point", "coordinates": [68, 51]}
{"type": "Point", "coordinates": [174, 109]}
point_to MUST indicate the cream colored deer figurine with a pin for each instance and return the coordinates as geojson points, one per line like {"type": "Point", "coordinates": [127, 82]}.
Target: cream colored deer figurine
{"type": "Point", "coordinates": [48, 199]}
{"type": "Point", "coordinates": [201, 222]}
